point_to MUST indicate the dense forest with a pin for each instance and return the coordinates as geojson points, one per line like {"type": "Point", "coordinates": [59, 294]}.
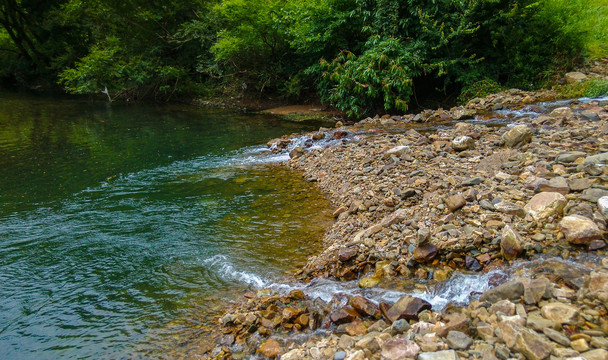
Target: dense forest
{"type": "Point", "coordinates": [357, 55]}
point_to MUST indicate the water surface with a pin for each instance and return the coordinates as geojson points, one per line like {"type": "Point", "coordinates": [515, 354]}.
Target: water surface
{"type": "Point", "coordinates": [117, 219]}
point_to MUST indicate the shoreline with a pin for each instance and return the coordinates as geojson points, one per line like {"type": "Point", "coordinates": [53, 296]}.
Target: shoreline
{"type": "Point", "coordinates": [414, 207]}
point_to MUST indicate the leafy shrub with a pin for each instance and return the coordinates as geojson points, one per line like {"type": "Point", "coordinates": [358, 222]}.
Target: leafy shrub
{"type": "Point", "coordinates": [481, 88]}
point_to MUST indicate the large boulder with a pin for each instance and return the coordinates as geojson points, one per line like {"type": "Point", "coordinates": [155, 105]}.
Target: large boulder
{"type": "Point", "coordinates": [579, 230]}
{"type": "Point", "coordinates": [545, 204]}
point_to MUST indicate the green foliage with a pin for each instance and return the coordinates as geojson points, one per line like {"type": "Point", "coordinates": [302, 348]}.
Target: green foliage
{"type": "Point", "coordinates": [481, 88]}
{"type": "Point", "coordinates": [591, 88]}
{"type": "Point", "coordinates": [359, 55]}
{"type": "Point", "coordinates": [379, 78]}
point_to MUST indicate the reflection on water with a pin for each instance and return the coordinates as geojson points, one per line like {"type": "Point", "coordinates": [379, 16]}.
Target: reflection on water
{"type": "Point", "coordinates": [119, 221]}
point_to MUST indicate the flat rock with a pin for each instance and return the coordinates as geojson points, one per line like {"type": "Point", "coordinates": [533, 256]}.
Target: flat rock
{"type": "Point", "coordinates": [439, 355]}
{"type": "Point", "coordinates": [560, 312]}
{"type": "Point", "coordinates": [579, 230]}
{"type": "Point", "coordinates": [545, 204]}
{"type": "Point", "coordinates": [593, 195]}
{"type": "Point", "coordinates": [597, 159]}
{"type": "Point", "coordinates": [472, 181]}
{"type": "Point", "coordinates": [557, 336]}
{"type": "Point", "coordinates": [575, 77]}
{"type": "Point", "coordinates": [458, 340]}
{"type": "Point", "coordinates": [579, 184]}
{"type": "Point", "coordinates": [512, 290]}
{"type": "Point", "coordinates": [557, 184]}
{"type": "Point", "coordinates": [597, 354]}
{"type": "Point", "coordinates": [408, 308]}
{"type": "Point", "coordinates": [569, 156]}
{"type": "Point", "coordinates": [364, 306]}
{"type": "Point", "coordinates": [510, 208]}
{"type": "Point", "coordinates": [517, 136]}
{"type": "Point", "coordinates": [399, 348]}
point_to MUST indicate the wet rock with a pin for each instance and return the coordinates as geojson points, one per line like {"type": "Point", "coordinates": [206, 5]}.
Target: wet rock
{"type": "Point", "coordinates": [364, 306]}
{"type": "Point", "coordinates": [425, 253]}
{"type": "Point", "coordinates": [270, 349]}
{"type": "Point", "coordinates": [296, 152]}
{"type": "Point", "coordinates": [560, 312]}
{"type": "Point", "coordinates": [557, 184]}
{"type": "Point", "coordinates": [510, 243]}
{"type": "Point", "coordinates": [342, 316]}
{"type": "Point", "coordinates": [545, 204]}
{"type": "Point", "coordinates": [369, 281]}
{"type": "Point", "coordinates": [563, 112]}
{"type": "Point", "coordinates": [408, 308]}
{"type": "Point", "coordinates": [517, 136]}
{"type": "Point", "coordinates": [579, 230]}
{"type": "Point", "coordinates": [439, 355]}
{"type": "Point", "coordinates": [462, 143]}
{"type": "Point", "coordinates": [458, 341]}
{"type": "Point", "coordinates": [455, 202]}
{"type": "Point", "coordinates": [399, 348]}
{"type": "Point", "coordinates": [472, 263]}
{"type": "Point", "coordinates": [339, 211]}
{"type": "Point", "coordinates": [512, 290]}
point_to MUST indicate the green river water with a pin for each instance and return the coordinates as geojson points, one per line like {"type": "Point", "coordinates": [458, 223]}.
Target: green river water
{"type": "Point", "coordinates": [121, 224]}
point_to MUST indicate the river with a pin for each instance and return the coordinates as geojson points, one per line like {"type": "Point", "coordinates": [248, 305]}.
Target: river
{"type": "Point", "coordinates": [118, 222]}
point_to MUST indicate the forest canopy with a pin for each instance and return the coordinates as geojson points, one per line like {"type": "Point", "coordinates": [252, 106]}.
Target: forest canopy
{"type": "Point", "coordinates": [360, 56]}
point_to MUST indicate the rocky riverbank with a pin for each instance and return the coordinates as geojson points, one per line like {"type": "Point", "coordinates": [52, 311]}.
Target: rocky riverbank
{"type": "Point", "coordinates": [494, 188]}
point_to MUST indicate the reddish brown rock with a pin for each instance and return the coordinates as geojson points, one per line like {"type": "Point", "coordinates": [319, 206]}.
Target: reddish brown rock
{"type": "Point", "coordinates": [364, 306]}
{"type": "Point", "coordinates": [455, 202]}
{"type": "Point", "coordinates": [408, 308]}
{"type": "Point", "coordinates": [345, 253]}
{"type": "Point", "coordinates": [342, 316]}
{"type": "Point", "coordinates": [425, 253]}
{"type": "Point", "coordinates": [270, 349]}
